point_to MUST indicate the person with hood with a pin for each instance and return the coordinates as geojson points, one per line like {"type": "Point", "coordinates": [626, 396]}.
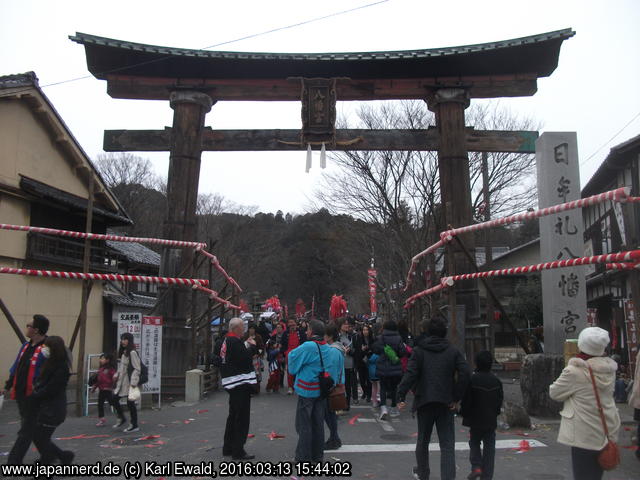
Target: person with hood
{"type": "Point", "coordinates": [239, 380]}
{"type": "Point", "coordinates": [306, 363]}
{"type": "Point", "coordinates": [23, 376]}
{"type": "Point", "coordinates": [439, 375]}
{"type": "Point", "coordinates": [580, 422]}
{"type": "Point", "coordinates": [50, 401]}
{"type": "Point", "coordinates": [390, 348]}
{"type": "Point", "coordinates": [480, 409]}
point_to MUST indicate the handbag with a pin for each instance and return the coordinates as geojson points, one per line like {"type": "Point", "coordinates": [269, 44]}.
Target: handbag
{"type": "Point", "coordinates": [324, 379]}
{"type": "Point", "coordinates": [337, 393]}
{"type": "Point", "coordinates": [134, 394]}
{"type": "Point", "coordinates": [609, 456]}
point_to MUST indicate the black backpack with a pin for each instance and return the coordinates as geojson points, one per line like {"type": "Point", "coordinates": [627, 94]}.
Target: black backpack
{"type": "Point", "coordinates": [144, 371]}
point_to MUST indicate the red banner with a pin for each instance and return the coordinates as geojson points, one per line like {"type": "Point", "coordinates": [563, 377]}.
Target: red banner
{"type": "Point", "coordinates": [632, 332]}
{"type": "Point", "coordinates": [373, 304]}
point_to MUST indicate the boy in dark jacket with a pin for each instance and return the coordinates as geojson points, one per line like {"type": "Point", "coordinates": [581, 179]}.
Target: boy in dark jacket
{"type": "Point", "coordinates": [480, 408]}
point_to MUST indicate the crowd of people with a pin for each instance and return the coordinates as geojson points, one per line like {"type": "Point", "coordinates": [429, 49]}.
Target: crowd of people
{"type": "Point", "coordinates": [375, 363]}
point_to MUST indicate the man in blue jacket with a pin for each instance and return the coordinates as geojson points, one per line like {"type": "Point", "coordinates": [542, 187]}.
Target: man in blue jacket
{"type": "Point", "coordinates": [305, 364]}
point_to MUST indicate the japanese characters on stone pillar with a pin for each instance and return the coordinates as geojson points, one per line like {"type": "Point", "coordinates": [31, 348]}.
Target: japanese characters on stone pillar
{"type": "Point", "coordinates": [561, 238]}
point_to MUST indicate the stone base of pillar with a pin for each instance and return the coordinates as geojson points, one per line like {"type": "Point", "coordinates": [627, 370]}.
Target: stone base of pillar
{"type": "Point", "coordinates": [538, 372]}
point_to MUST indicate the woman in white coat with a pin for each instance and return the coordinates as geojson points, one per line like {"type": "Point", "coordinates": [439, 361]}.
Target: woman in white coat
{"type": "Point", "coordinates": [127, 377]}
{"type": "Point", "coordinates": [634, 401]}
{"type": "Point", "coordinates": [580, 426]}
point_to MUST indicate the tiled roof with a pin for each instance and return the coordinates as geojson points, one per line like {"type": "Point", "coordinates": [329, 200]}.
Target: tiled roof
{"type": "Point", "coordinates": [133, 300]}
{"type": "Point", "coordinates": [27, 79]}
{"type": "Point", "coordinates": [497, 252]}
{"type": "Point", "coordinates": [136, 252]}
{"type": "Point", "coordinates": [48, 193]}
{"type": "Point", "coordinates": [535, 54]}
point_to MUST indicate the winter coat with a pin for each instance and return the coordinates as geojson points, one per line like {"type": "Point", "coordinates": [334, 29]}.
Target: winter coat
{"type": "Point", "coordinates": [384, 367]}
{"type": "Point", "coordinates": [25, 370]}
{"type": "Point", "coordinates": [580, 424]}
{"type": "Point", "coordinates": [105, 379]}
{"type": "Point", "coordinates": [482, 401]}
{"type": "Point", "coordinates": [124, 382]}
{"type": "Point", "coordinates": [634, 399]}
{"type": "Point", "coordinates": [304, 363]}
{"type": "Point", "coordinates": [349, 342]}
{"type": "Point", "coordinates": [236, 364]}
{"type": "Point", "coordinates": [49, 395]}
{"type": "Point", "coordinates": [438, 371]}
{"type": "Point", "coordinates": [302, 336]}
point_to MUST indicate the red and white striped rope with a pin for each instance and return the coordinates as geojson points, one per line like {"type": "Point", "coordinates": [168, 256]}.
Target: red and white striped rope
{"type": "Point", "coordinates": [216, 264]}
{"type": "Point", "coordinates": [214, 296]}
{"type": "Point", "coordinates": [104, 276]}
{"type": "Point", "coordinates": [617, 195]}
{"type": "Point", "coordinates": [99, 236]}
{"type": "Point", "coordinates": [622, 266]}
{"type": "Point", "coordinates": [629, 256]}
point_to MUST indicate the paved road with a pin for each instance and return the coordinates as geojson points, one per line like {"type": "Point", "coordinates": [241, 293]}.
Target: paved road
{"type": "Point", "coordinates": [376, 450]}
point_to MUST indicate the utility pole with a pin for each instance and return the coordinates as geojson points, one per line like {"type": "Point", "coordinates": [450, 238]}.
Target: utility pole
{"type": "Point", "coordinates": [488, 251]}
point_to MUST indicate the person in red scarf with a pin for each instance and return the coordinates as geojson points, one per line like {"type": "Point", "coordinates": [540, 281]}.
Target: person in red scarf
{"type": "Point", "coordinates": [23, 376]}
{"type": "Point", "coordinates": [291, 339]}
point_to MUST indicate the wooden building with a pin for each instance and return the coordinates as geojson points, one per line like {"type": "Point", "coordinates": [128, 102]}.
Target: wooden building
{"type": "Point", "coordinates": [612, 227]}
{"type": "Point", "coordinates": [44, 181]}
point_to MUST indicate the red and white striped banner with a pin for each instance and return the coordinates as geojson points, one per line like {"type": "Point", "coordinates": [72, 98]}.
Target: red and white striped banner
{"type": "Point", "coordinates": [217, 266]}
{"type": "Point", "coordinates": [104, 276]}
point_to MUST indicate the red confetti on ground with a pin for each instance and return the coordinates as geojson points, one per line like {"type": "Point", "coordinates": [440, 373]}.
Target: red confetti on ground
{"type": "Point", "coordinates": [628, 429]}
{"type": "Point", "coordinates": [149, 445]}
{"type": "Point", "coordinates": [414, 435]}
{"type": "Point", "coordinates": [631, 447]}
{"type": "Point", "coordinates": [203, 440]}
{"type": "Point", "coordinates": [82, 436]}
{"type": "Point", "coordinates": [186, 421]}
{"type": "Point", "coordinates": [523, 446]}
{"type": "Point", "coordinates": [274, 435]}
{"type": "Point", "coordinates": [354, 419]}
{"type": "Point", "coordinates": [148, 437]}
{"type": "Point", "coordinates": [251, 435]}
{"type": "Point", "coordinates": [202, 411]}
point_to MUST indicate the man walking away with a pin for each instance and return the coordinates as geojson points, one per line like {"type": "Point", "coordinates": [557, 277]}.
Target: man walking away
{"type": "Point", "coordinates": [305, 364]}
{"type": "Point", "coordinates": [239, 380]}
{"type": "Point", "coordinates": [440, 375]}
{"type": "Point", "coordinates": [24, 374]}
{"type": "Point", "coordinates": [480, 409]}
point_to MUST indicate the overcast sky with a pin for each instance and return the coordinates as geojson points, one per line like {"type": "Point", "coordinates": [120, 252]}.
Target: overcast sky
{"type": "Point", "coordinates": [593, 91]}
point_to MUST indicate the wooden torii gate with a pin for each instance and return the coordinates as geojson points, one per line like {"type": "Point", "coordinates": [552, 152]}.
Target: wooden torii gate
{"type": "Point", "coordinates": [446, 78]}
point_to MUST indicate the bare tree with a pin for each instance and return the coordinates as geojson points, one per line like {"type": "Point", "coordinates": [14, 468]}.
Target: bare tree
{"type": "Point", "coordinates": [127, 169]}
{"type": "Point", "coordinates": [400, 193]}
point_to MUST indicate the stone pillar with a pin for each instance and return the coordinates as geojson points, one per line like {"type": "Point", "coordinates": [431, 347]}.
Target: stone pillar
{"type": "Point", "coordinates": [190, 108]}
{"type": "Point", "coordinates": [449, 105]}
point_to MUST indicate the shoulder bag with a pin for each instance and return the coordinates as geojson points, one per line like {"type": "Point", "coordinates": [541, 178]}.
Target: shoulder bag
{"type": "Point", "coordinates": [337, 394]}
{"type": "Point", "coordinates": [609, 456]}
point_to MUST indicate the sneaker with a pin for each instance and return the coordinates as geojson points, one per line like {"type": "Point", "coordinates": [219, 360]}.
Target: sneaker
{"type": "Point", "coordinates": [356, 401]}
{"type": "Point", "coordinates": [119, 423]}
{"type": "Point", "coordinates": [475, 474]}
{"type": "Point", "coordinates": [290, 391]}
{"type": "Point", "coordinates": [416, 475]}
{"type": "Point", "coordinates": [131, 429]}
{"type": "Point", "coordinates": [394, 412]}
{"type": "Point", "coordinates": [384, 415]}
{"type": "Point", "coordinates": [332, 444]}
{"type": "Point", "coordinates": [101, 422]}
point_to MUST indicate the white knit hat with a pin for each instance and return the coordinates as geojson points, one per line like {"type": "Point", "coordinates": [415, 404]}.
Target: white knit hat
{"type": "Point", "coordinates": [593, 341]}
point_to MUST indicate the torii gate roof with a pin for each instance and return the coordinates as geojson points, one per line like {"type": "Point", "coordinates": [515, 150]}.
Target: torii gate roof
{"type": "Point", "coordinates": [504, 68]}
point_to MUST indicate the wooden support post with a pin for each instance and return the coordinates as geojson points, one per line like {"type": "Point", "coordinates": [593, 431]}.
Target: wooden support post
{"type": "Point", "coordinates": [488, 251]}
{"type": "Point", "coordinates": [12, 322]}
{"type": "Point", "coordinates": [80, 370]}
{"type": "Point", "coordinates": [190, 108]}
{"type": "Point", "coordinates": [449, 104]}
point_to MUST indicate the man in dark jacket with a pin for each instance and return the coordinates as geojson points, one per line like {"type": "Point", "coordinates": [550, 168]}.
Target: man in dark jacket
{"type": "Point", "coordinates": [239, 380]}
{"type": "Point", "coordinates": [390, 348]}
{"type": "Point", "coordinates": [23, 376]}
{"type": "Point", "coordinates": [480, 409]}
{"type": "Point", "coordinates": [439, 374]}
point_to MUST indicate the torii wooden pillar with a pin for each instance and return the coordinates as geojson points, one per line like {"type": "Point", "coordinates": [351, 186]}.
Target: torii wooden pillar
{"type": "Point", "coordinates": [189, 111]}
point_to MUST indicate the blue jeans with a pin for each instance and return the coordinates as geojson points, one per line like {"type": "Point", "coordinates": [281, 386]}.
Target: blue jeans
{"type": "Point", "coordinates": [310, 427]}
{"type": "Point", "coordinates": [440, 415]}
{"type": "Point", "coordinates": [485, 458]}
